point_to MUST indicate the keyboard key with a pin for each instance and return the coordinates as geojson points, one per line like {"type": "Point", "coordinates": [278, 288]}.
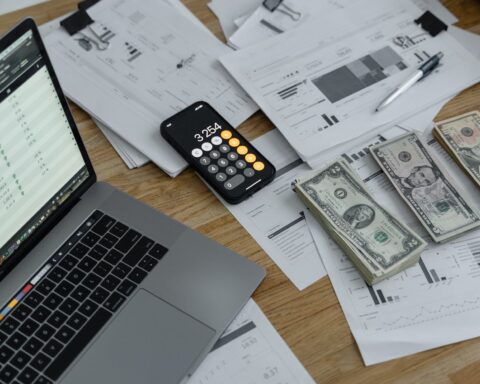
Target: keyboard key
{"type": "Point", "coordinates": [119, 229]}
{"type": "Point", "coordinates": [121, 270]}
{"type": "Point", "coordinates": [110, 283]}
{"type": "Point", "coordinates": [109, 241]}
{"type": "Point", "coordinates": [32, 346]}
{"type": "Point", "coordinates": [69, 306]}
{"type": "Point", "coordinates": [80, 293]}
{"type": "Point", "coordinates": [20, 360]}
{"type": "Point", "coordinates": [79, 250]}
{"type": "Point", "coordinates": [137, 275]}
{"type": "Point", "coordinates": [34, 299]}
{"type": "Point", "coordinates": [103, 269]}
{"type": "Point", "coordinates": [99, 295]}
{"type": "Point", "coordinates": [7, 374]}
{"type": "Point", "coordinates": [40, 362]}
{"type": "Point", "coordinates": [22, 312]}
{"type": "Point", "coordinates": [98, 252]}
{"type": "Point", "coordinates": [45, 332]}
{"type": "Point", "coordinates": [52, 348]}
{"type": "Point", "coordinates": [65, 334]}
{"type": "Point", "coordinates": [138, 251]}
{"type": "Point", "coordinates": [16, 340]}
{"type": "Point", "coordinates": [127, 287]}
{"type": "Point", "coordinates": [128, 240]}
{"type": "Point", "coordinates": [57, 274]}
{"type": "Point", "coordinates": [78, 343]}
{"type": "Point", "coordinates": [113, 257]}
{"type": "Point", "coordinates": [43, 380]}
{"type": "Point", "coordinates": [45, 287]}
{"type": "Point", "coordinates": [76, 276]}
{"type": "Point", "coordinates": [158, 251]}
{"type": "Point", "coordinates": [68, 262]}
{"type": "Point", "coordinates": [91, 281]}
{"type": "Point", "coordinates": [114, 301]}
{"type": "Point", "coordinates": [41, 314]}
{"type": "Point", "coordinates": [3, 337]}
{"type": "Point", "coordinates": [5, 354]}
{"type": "Point", "coordinates": [87, 264]}
{"type": "Point", "coordinates": [57, 319]}
{"type": "Point", "coordinates": [90, 239]}
{"type": "Point", "coordinates": [88, 308]}
{"type": "Point", "coordinates": [148, 263]}
{"type": "Point", "coordinates": [29, 327]}
{"type": "Point", "coordinates": [102, 227]}
{"type": "Point", "coordinates": [64, 288]}
{"type": "Point", "coordinates": [52, 301]}
{"type": "Point", "coordinates": [76, 321]}
{"type": "Point", "coordinates": [9, 325]}
{"type": "Point", "coordinates": [27, 376]}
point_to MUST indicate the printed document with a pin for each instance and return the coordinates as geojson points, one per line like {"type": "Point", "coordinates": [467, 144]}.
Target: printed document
{"type": "Point", "coordinates": [323, 90]}
{"type": "Point", "coordinates": [251, 352]}
{"type": "Point", "coordinates": [432, 304]}
{"type": "Point", "coordinates": [158, 63]}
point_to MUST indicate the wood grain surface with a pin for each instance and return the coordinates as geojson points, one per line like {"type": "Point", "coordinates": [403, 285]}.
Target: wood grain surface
{"type": "Point", "coordinates": [311, 321]}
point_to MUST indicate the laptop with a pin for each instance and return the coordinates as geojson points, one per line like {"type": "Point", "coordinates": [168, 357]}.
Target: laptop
{"type": "Point", "coordinates": [95, 287]}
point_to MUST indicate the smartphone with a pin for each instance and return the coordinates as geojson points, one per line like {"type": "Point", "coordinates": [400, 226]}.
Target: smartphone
{"type": "Point", "coordinates": [227, 161]}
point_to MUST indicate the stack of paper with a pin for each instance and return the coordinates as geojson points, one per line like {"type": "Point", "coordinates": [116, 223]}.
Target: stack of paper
{"type": "Point", "coordinates": [7, 6]}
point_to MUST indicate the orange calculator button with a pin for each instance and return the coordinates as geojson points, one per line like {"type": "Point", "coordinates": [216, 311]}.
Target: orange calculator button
{"type": "Point", "coordinates": [242, 150]}
{"type": "Point", "coordinates": [234, 142]}
{"type": "Point", "coordinates": [259, 166]}
{"type": "Point", "coordinates": [250, 158]}
{"type": "Point", "coordinates": [226, 135]}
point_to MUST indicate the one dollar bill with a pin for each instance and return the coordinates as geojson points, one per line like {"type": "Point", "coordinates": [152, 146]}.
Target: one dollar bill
{"type": "Point", "coordinates": [440, 205]}
{"type": "Point", "coordinates": [460, 136]}
{"type": "Point", "coordinates": [376, 242]}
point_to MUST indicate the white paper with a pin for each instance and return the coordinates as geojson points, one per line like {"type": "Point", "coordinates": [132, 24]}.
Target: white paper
{"type": "Point", "coordinates": [158, 63]}
{"type": "Point", "coordinates": [275, 217]}
{"type": "Point", "coordinates": [438, 9]}
{"type": "Point", "coordinates": [7, 6]}
{"type": "Point", "coordinates": [227, 11]}
{"type": "Point", "coordinates": [429, 305]}
{"type": "Point", "coordinates": [251, 352]}
{"type": "Point", "coordinates": [317, 102]}
{"type": "Point", "coordinates": [470, 40]}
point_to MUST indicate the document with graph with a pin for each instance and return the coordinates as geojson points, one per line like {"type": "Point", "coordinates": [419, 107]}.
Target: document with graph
{"type": "Point", "coordinates": [434, 303]}
{"type": "Point", "coordinates": [320, 83]}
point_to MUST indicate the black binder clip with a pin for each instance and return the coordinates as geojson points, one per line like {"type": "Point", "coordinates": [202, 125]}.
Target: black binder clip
{"type": "Point", "coordinates": [431, 23]}
{"type": "Point", "coordinates": [78, 23]}
{"type": "Point", "coordinates": [280, 6]}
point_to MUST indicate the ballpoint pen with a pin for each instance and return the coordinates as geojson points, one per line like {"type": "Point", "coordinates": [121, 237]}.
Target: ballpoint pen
{"type": "Point", "coordinates": [423, 71]}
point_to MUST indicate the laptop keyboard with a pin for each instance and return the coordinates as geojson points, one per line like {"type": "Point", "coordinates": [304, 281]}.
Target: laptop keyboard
{"type": "Point", "coordinates": [53, 318]}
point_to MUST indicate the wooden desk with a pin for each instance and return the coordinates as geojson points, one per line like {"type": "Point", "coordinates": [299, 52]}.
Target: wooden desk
{"type": "Point", "coordinates": [311, 322]}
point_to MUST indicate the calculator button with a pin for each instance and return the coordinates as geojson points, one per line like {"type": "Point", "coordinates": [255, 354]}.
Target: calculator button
{"type": "Point", "coordinates": [216, 140]}
{"type": "Point", "coordinates": [224, 148]}
{"type": "Point", "coordinates": [234, 182]}
{"type": "Point", "coordinates": [258, 166]}
{"type": "Point", "coordinates": [197, 152]}
{"type": "Point", "coordinates": [226, 134]}
{"type": "Point", "coordinates": [250, 158]}
{"type": "Point", "coordinates": [207, 147]}
{"type": "Point", "coordinates": [242, 150]}
{"type": "Point", "coordinates": [221, 176]}
{"type": "Point", "coordinates": [205, 160]}
{"type": "Point", "coordinates": [240, 164]}
{"type": "Point", "coordinates": [249, 172]}
{"type": "Point", "coordinates": [212, 168]}
{"type": "Point", "coordinates": [234, 142]}
{"type": "Point", "coordinates": [215, 155]}
{"type": "Point", "coordinates": [222, 162]}
{"type": "Point", "coordinates": [230, 171]}
{"type": "Point", "coordinates": [232, 156]}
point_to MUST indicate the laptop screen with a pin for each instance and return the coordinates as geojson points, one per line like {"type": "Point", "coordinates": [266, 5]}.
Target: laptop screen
{"type": "Point", "coordinates": [40, 161]}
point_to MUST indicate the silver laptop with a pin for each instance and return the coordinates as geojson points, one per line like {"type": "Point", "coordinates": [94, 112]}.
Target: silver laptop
{"type": "Point", "coordinates": [95, 287]}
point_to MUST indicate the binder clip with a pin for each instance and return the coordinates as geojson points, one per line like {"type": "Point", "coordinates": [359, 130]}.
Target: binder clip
{"type": "Point", "coordinates": [280, 6]}
{"type": "Point", "coordinates": [85, 4]}
{"type": "Point", "coordinates": [431, 23]}
{"type": "Point", "coordinates": [78, 23]}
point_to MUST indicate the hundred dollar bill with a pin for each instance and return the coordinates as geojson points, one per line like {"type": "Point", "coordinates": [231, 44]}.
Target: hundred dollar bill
{"type": "Point", "coordinates": [377, 243]}
{"type": "Point", "coordinates": [460, 136]}
{"type": "Point", "coordinates": [439, 204]}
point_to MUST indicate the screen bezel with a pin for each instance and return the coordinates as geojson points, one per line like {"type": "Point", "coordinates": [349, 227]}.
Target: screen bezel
{"type": "Point", "coordinates": [8, 39]}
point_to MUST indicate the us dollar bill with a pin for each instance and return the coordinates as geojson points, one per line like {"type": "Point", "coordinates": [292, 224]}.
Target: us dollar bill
{"type": "Point", "coordinates": [460, 136]}
{"type": "Point", "coordinates": [379, 244]}
{"type": "Point", "coordinates": [440, 205]}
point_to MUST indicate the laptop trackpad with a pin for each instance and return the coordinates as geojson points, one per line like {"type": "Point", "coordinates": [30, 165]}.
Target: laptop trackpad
{"type": "Point", "coordinates": [150, 341]}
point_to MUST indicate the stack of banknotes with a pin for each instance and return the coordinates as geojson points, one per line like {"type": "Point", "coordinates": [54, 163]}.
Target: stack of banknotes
{"type": "Point", "coordinates": [378, 243]}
